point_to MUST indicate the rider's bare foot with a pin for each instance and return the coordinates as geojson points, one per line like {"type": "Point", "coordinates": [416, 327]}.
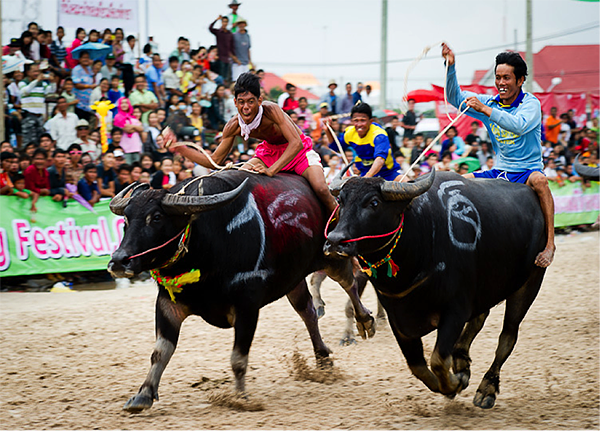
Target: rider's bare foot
{"type": "Point", "coordinates": [544, 259]}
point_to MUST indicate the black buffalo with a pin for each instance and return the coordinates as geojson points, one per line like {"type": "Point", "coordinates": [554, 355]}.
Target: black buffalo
{"type": "Point", "coordinates": [465, 245]}
{"type": "Point", "coordinates": [251, 240]}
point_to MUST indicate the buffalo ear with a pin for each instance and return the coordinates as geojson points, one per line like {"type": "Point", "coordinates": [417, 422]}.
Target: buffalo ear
{"type": "Point", "coordinates": [396, 191]}
{"type": "Point", "coordinates": [121, 200]}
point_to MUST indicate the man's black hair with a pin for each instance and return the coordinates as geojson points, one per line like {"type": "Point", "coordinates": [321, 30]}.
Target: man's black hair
{"type": "Point", "coordinates": [116, 130]}
{"type": "Point", "coordinates": [463, 165]}
{"type": "Point", "coordinates": [59, 151]}
{"type": "Point", "coordinates": [18, 177]}
{"type": "Point", "coordinates": [181, 38]}
{"type": "Point", "coordinates": [259, 71]}
{"type": "Point", "coordinates": [302, 98]}
{"type": "Point", "coordinates": [124, 167]}
{"type": "Point", "coordinates": [362, 108]}
{"type": "Point", "coordinates": [247, 83]}
{"type": "Point", "coordinates": [45, 135]}
{"type": "Point", "coordinates": [75, 147]}
{"type": "Point", "coordinates": [452, 128]}
{"type": "Point", "coordinates": [173, 59]}
{"type": "Point", "coordinates": [289, 86]}
{"type": "Point", "coordinates": [33, 23]}
{"type": "Point", "coordinates": [147, 48]}
{"type": "Point", "coordinates": [88, 167]}
{"type": "Point", "coordinates": [41, 151]}
{"type": "Point", "coordinates": [156, 55]}
{"type": "Point", "coordinates": [515, 60]}
{"type": "Point", "coordinates": [446, 154]}
{"type": "Point", "coordinates": [130, 37]}
{"type": "Point", "coordinates": [7, 155]}
{"type": "Point", "coordinates": [418, 134]}
{"type": "Point", "coordinates": [474, 122]}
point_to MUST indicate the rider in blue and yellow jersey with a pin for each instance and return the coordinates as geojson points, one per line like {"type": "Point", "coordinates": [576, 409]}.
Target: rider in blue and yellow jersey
{"type": "Point", "coordinates": [370, 143]}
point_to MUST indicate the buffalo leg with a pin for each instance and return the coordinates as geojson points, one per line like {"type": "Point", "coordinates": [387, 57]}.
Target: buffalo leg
{"type": "Point", "coordinates": [246, 318]}
{"type": "Point", "coordinates": [461, 361]}
{"type": "Point", "coordinates": [449, 330]}
{"type": "Point", "coordinates": [517, 306]}
{"type": "Point", "coordinates": [303, 304]}
{"type": "Point", "coordinates": [169, 317]}
{"type": "Point", "coordinates": [412, 349]}
{"type": "Point", "coordinates": [348, 337]}
{"type": "Point", "coordinates": [342, 272]}
{"type": "Point", "coordinates": [315, 290]}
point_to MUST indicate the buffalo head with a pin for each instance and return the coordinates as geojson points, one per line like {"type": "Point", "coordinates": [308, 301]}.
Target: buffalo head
{"type": "Point", "coordinates": [152, 218]}
{"type": "Point", "coordinates": [370, 206]}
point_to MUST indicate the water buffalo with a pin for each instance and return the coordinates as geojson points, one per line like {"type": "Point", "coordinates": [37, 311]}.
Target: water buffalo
{"type": "Point", "coordinates": [222, 247]}
{"type": "Point", "coordinates": [440, 253]}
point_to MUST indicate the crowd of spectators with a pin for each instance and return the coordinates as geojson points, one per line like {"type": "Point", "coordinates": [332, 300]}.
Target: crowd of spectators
{"type": "Point", "coordinates": [53, 142]}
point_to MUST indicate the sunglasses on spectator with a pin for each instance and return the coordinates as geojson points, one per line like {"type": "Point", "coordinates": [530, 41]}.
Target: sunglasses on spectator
{"type": "Point", "coordinates": [75, 152]}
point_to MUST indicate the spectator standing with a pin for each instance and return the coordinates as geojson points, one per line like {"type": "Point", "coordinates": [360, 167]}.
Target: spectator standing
{"type": "Point", "coordinates": [367, 98]}
{"type": "Point", "coordinates": [33, 28]}
{"type": "Point", "coordinates": [553, 124]}
{"type": "Point", "coordinates": [154, 75]}
{"type": "Point", "coordinates": [110, 69]}
{"type": "Point", "coordinates": [69, 95]}
{"type": "Point", "coordinates": [83, 79]}
{"type": "Point", "coordinates": [87, 187]}
{"type": "Point", "coordinates": [128, 63]}
{"type": "Point", "coordinates": [347, 101]}
{"type": "Point", "coordinates": [79, 38]}
{"type": "Point", "coordinates": [131, 142]}
{"type": "Point", "coordinates": [393, 135]}
{"type": "Point", "coordinates": [331, 98]}
{"type": "Point", "coordinates": [233, 17]}
{"type": "Point", "coordinates": [37, 178]}
{"type": "Point", "coordinates": [224, 46]}
{"type": "Point", "coordinates": [170, 78]}
{"type": "Point", "coordinates": [58, 48]}
{"type": "Point", "coordinates": [290, 103]}
{"type": "Point", "coordinates": [25, 42]}
{"type": "Point", "coordinates": [180, 52]}
{"type": "Point", "coordinates": [33, 92]}
{"type": "Point", "coordinates": [409, 121]}
{"type": "Point", "coordinates": [318, 121]}
{"type": "Point", "coordinates": [241, 49]}
{"type": "Point", "coordinates": [63, 124]}
{"type": "Point", "coordinates": [100, 92]}
{"type": "Point", "coordinates": [142, 98]}
{"type": "Point", "coordinates": [114, 94]}
{"type": "Point", "coordinates": [57, 175]}
{"type": "Point", "coordinates": [357, 95]}
{"type": "Point", "coordinates": [145, 60]}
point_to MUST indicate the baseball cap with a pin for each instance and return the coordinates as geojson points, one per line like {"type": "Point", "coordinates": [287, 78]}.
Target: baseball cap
{"type": "Point", "coordinates": [110, 56]}
{"type": "Point", "coordinates": [324, 105]}
{"type": "Point", "coordinates": [118, 153]}
{"type": "Point", "coordinates": [82, 123]}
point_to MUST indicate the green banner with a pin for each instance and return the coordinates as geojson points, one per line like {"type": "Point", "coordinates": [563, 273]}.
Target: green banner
{"type": "Point", "coordinates": [56, 239]}
{"type": "Point", "coordinates": [574, 205]}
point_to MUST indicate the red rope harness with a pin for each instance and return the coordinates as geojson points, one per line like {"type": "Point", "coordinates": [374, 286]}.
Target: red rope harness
{"type": "Point", "coordinates": [362, 237]}
{"type": "Point", "coordinates": [160, 246]}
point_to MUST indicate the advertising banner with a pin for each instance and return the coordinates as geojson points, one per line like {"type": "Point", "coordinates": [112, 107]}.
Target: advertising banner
{"type": "Point", "coordinates": [99, 14]}
{"type": "Point", "coordinates": [573, 205]}
{"type": "Point", "coordinates": [55, 239]}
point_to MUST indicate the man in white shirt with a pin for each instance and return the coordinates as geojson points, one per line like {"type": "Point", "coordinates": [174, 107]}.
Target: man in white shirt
{"type": "Point", "coordinates": [170, 78]}
{"type": "Point", "coordinates": [62, 125]}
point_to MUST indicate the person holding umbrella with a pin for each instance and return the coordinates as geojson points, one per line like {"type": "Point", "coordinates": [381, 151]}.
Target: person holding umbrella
{"type": "Point", "coordinates": [83, 78]}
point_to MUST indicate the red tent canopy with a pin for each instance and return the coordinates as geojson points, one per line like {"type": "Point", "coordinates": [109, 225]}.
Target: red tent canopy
{"type": "Point", "coordinates": [424, 96]}
{"type": "Point", "coordinates": [271, 81]}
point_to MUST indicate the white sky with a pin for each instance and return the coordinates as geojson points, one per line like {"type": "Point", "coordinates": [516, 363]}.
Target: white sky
{"type": "Point", "coordinates": [287, 35]}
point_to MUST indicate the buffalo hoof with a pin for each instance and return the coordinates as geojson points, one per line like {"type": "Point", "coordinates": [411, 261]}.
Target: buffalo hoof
{"type": "Point", "coordinates": [347, 340]}
{"type": "Point", "coordinates": [463, 378]}
{"type": "Point", "coordinates": [137, 403]}
{"type": "Point", "coordinates": [484, 401]}
{"type": "Point", "coordinates": [320, 311]}
{"type": "Point", "coordinates": [324, 363]}
{"type": "Point", "coordinates": [367, 328]}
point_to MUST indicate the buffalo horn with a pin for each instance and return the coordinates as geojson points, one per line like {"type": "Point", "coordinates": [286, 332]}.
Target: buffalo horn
{"type": "Point", "coordinates": [337, 183]}
{"type": "Point", "coordinates": [587, 172]}
{"type": "Point", "coordinates": [187, 205]}
{"type": "Point", "coordinates": [397, 191]}
{"type": "Point", "coordinates": [119, 202]}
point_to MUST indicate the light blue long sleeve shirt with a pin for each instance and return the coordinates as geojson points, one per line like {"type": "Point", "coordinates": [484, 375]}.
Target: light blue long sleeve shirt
{"type": "Point", "coordinates": [515, 130]}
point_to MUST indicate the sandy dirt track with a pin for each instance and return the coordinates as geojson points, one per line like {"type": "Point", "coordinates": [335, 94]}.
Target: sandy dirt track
{"type": "Point", "coordinates": [71, 360]}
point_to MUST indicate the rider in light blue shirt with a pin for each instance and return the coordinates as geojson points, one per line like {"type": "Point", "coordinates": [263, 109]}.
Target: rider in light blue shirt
{"type": "Point", "coordinates": [513, 120]}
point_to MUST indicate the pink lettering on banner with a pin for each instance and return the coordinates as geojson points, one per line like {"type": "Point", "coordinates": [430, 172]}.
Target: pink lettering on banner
{"type": "Point", "coordinates": [118, 226]}
{"type": "Point", "coordinates": [56, 251]}
{"type": "Point", "coordinates": [4, 254]}
{"type": "Point", "coordinates": [20, 233]}
{"type": "Point", "coordinates": [96, 12]}
{"type": "Point", "coordinates": [96, 241]}
{"type": "Point", "coordinates": [62, 233]}
{"type": "Point", "coordinates": [39, 243]}
{"type": "Point", "coordinates": [110, 246]}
